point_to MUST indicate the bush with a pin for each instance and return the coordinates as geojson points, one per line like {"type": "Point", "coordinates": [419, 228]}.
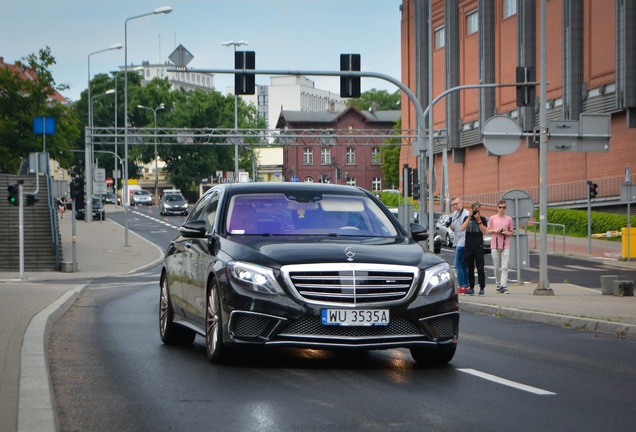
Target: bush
{"type": "Point", "coordinates": [575, 221]}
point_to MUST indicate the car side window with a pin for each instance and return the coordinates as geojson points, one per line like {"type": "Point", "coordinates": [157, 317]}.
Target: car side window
{"type": "Point", "coordinates": [209, 215]}
{"type": "Point", "coordinates": [199, 207]}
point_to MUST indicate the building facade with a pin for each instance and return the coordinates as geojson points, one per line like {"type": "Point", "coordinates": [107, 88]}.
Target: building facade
{"type": "Point", "coordinates": [186, 80]}
{"type": "Point", "coordinates": [591, 68]}
{"type": "Point", "coordinates": [341, 147]}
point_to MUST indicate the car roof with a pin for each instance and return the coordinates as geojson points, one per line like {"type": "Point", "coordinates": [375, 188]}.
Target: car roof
{"type": "Point", "coordinates": [287, 188]}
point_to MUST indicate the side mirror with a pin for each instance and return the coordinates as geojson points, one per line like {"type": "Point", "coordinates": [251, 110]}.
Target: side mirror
{"type": "Point", "coordinates": [418, 232]}
{"type": "Point", "coordinates": [193, 229]}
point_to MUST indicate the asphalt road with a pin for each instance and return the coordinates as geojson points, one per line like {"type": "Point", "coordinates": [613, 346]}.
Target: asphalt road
{"type": "Point", "coordinates": [110, 371]}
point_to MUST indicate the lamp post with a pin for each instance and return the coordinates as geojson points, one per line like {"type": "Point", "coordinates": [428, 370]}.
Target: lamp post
{"type": "Point", "coordinates": [88, 157]}
{"type": "Point", "coordinates": [161, 10]}
{"type": "Point", "coordinates": [236, 158]}
{"type": "Point", "coordinates": [116, 139]}
{"type": "Point", "coordinates": [154, 111]}
{"type": "Point", "coordinates": [107, 92]}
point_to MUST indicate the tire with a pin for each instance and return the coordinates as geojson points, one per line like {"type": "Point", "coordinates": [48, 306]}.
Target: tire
{"type": "Point", "coordinates": [171, 333]}
{"type": "Point", "coordinates": [217, 352]}
{"type": "Point", "coordinates": [449, 243]}
{"type": "Point", "coordinates": [430, 358]}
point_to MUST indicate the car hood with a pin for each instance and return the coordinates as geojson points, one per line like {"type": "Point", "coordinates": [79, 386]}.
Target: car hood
{"type": "Point", "coordinates": [272, 252]}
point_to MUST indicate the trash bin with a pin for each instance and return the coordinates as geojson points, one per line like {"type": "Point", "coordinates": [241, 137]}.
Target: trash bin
{"type": "Point", "coordinates": [628, 237]}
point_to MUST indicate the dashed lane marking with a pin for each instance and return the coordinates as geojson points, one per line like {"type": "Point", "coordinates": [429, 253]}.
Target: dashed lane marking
{"type": "Point", "coordinates": [503, 381]}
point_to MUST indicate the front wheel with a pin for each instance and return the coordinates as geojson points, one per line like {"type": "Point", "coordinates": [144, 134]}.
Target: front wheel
{"type": "Point", "coordinates": [217, 352]}
{"type": "Point", "coordinates": [431, 358]}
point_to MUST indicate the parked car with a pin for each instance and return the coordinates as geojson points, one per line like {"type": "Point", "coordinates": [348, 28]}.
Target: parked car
{"type": "Point", "coordinates": [140, 197]}
{"type": "Point", "coordinates": [99, 212]}
{"type": "Point", "coordinates": [442, 224]}
{"type": "Point", "coordinates": [307, 265]}
{"type": "Point", "coordinates": [110, 198]}
{"type": "Point", "coordinates": [173, 203]}
{"type": "Point", "coordinates": [448, 236]}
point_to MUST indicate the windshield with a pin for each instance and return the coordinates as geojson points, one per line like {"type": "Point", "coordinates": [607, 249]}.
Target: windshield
{"type": "Point", "coordinates": [327, 214]}
{"type": "Point", "coordinates": [174, 198]}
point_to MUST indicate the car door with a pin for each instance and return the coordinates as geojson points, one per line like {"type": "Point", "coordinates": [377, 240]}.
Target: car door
{"type": "Point", "coordinates": [199, 262]}
{"type": "Point", "coordinates": [181, 265]}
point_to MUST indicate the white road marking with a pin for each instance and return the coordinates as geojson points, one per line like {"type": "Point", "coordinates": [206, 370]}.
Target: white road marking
{"type": "Point", "coordinates": [508, 383]}
{"type": "Point", "coordinates": [584, 268]}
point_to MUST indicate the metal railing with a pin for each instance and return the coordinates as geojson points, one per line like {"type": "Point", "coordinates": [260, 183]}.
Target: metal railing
{"type": "Point", "coordinates": [551, 227]}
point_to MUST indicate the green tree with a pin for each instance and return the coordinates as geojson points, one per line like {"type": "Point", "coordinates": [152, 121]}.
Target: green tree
{"type": "Point", "coordinates": [21, 100]}
{"type": "Point", "coordinates": [381, 100]}
{"type": "Point", "coordinates": [391, 158]}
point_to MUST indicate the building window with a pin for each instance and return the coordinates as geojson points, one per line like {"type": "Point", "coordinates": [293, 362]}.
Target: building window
{"type": "Point", "coordinates": [376, 184]}
{"type": "Point", "coordinates": [308, 156]}
{"type": "Point", "coordinates": [351, 181]}
{"type": "Point", "coordinates": [509, 8]}
{"type": "Point", "coordinates": [440, 39]}
{"type": "Point", "coordinates": [308, 179]}
{"type": "Point", "coordinates": [472, 22]}
{"type": "Point", "coordinates": [325, 156]}
{"type": "Point", "coordinates": [351, 156]}
{"type": "Point", "coordinates": [376, 156]}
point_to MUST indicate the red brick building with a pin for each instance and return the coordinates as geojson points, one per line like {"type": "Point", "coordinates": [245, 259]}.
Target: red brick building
{"type": "Point", "coordinates": [337, 147]}
{"type": "Point", "coordinates": [591, 68]}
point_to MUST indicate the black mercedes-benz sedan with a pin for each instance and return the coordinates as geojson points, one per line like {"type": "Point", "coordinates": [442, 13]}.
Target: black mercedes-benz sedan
{"type": "Point", "coordinates": [306, 265]}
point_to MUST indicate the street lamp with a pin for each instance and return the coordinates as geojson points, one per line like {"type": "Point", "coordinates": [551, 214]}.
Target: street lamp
{"type": "Point", "coordinates": [154, 111]}
{"type": "Point", "coordinates": [88, 157]}
{"type": "Point", "coordinates": [107, 92]}
{"type": "Point", "coordinates": [236, 158]}
{"type": "Point", "coordinates": [161, 10]}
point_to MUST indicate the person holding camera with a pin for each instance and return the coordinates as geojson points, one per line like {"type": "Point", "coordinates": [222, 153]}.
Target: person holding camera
{"type": "Point", "coordinates": [475, 227]}
{"type": "Point", "coordinates": [502, 228]}
{"type": "Point", "coordinates": [455, 224]}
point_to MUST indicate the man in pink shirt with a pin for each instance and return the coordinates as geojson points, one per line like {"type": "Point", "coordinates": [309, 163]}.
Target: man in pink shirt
{"type": "Point", "coordinates": [501, 227]}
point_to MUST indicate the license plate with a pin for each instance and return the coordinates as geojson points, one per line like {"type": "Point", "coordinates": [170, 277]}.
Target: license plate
{"type": "Point", "coordinates": [355, 317]}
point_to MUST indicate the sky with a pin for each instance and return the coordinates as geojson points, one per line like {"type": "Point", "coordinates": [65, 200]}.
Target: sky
{"type": "Point", "coordinates": [285, 35]}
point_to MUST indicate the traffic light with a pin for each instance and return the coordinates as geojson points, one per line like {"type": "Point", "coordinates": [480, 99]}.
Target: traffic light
{"type": "Point", "coordinates": [593, 189]}
{"type": "Point", "coordinates": [245, 83]}
{"type": "Point", "coordinates": [31, 200]}
{"type": "Point", "coordinates": [349, 85]}
{"type": "Point", "coordinates": [525, 93]}
{"type": "Point", "coordinates": [74, 186]}
{"type": "Point", "coordinates": [416, 184]}
{"type": "Point", "coordinates": [14, 194]}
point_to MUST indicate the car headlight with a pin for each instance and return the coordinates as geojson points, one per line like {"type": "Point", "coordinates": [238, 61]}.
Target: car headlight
{"type": "Point", "coordinates": [438, 278]}
{"type": "Point", "coordinates": [253, 277]}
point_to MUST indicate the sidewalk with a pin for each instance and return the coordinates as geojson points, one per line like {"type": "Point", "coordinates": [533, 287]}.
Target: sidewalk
{"type": "Point", "coordinates": [30, 307]}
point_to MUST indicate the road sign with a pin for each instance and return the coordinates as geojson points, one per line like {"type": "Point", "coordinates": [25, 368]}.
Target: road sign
{"type": "Point", "coordinates": [180, 57]}
{"type": "Point", "coordinates": [520, 205]}
{"type": "Point", "coordinates": [294, 178]}
{"type": "Point", "coordinates": [502, 135]}
{"type": "Point", "coordinates": [100, 175]}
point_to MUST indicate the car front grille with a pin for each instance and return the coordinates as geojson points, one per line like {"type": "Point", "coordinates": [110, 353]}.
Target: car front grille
{"type": "Point", "coordinates": [351, 284]}
{"type": "Point", "coordinates": [312, 326]}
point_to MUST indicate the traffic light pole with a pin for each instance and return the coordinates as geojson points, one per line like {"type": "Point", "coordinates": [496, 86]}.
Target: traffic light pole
{"type": "Point", "coordinates": [21, 226]}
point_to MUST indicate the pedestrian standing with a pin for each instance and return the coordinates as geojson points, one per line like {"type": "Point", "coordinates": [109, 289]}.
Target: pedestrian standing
{"type": "Point", "coordinates": [475, 227]}
{"type": "Point", "coordinates": [502, 228]}
{"type": "Point", "coordinates": [457, 218]}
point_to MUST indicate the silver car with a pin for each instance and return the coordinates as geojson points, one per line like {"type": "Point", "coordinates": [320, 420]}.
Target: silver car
{"type": "Point", "coordinates": [443, 227]}
{"type": "Point", "coordinates": [173, 203]}
{"type": "Point", "coordinates": [141, 197]}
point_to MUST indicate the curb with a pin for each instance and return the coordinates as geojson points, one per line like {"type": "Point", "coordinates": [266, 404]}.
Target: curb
{"type": "Point", "coordinates": [36, 404]}
{"type": "Point", "coordinates": [576, 323]}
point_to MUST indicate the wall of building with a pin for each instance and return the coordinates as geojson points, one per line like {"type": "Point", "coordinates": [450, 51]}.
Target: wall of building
{"type": "Point", "coordinates": [476, 172]}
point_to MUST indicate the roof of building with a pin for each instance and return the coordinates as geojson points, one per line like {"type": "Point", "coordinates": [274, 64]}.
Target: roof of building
{"type": "Point", "coordinates": [29, 74]}
{"type": "Point", "coordinates": [287, 117]}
